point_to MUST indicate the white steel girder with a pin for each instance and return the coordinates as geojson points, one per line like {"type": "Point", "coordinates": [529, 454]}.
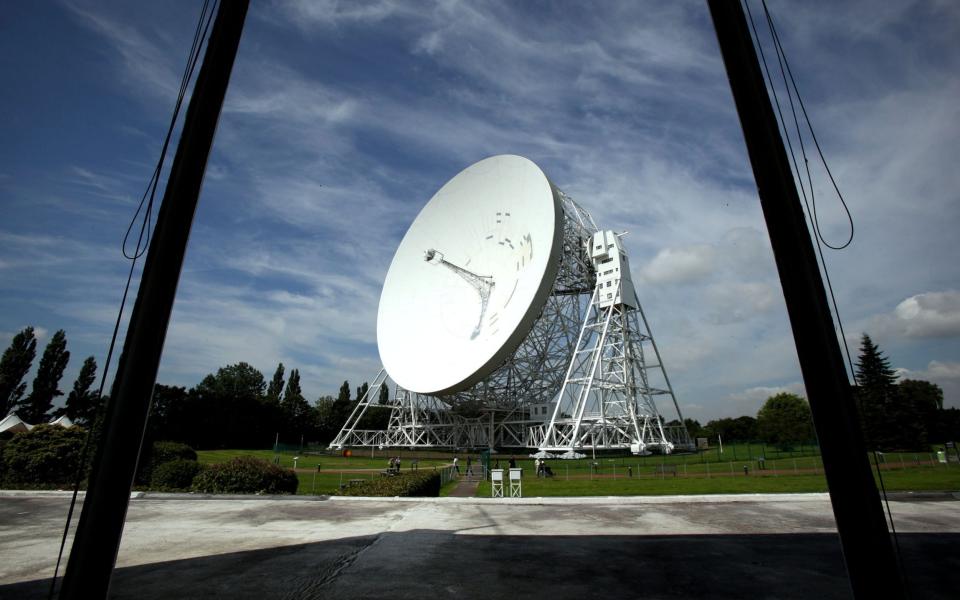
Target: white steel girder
{"type": "Point", "coordinates": [607, 400]}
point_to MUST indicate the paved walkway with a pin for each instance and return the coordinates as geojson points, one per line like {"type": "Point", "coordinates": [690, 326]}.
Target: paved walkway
{"type": "Point", "coordinates": [751, 546]}
{"type": "Point", "coordinates": [466, 488]}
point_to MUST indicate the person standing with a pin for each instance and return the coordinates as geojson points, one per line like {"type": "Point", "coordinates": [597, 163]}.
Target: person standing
{"type": "Point", "coordinates": [456, 465]}
{"type": "Point", "coordinates": [469, 466]}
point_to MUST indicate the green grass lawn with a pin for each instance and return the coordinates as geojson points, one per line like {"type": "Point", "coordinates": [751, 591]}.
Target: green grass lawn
{"type": "Point", "coordinates": [334, 469]}
{"type": "Point", "coordinates": [910, 479]}
{"type": "Point", "coordinates": [308, 461]}
{"type": "Point", "coordinates": [711, 472]}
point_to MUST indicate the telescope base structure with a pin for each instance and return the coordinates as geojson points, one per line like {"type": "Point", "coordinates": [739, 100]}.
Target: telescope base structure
{"type": "Point", "coordinates": [607, 398]}
{"type": "Point", "coordinates": [420, 421]}
{"type": "Point", "coordinates": [579, 380]}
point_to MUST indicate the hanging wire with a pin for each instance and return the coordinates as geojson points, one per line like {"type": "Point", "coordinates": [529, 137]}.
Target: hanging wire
{"type": "Point", "coordinates": [143, 242]}
{"type": "Point", "coordinates": [791, 89]}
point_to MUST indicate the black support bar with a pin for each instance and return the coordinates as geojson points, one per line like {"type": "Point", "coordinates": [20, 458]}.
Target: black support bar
{"type": "Point", "coordinates": [97, 540]}
{"type": "Point", "coordinates": [867, 547]}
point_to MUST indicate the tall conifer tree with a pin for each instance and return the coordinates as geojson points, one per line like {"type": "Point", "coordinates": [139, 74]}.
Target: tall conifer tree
{"type": "Point", "coordinates": [344, 395]}
{"type": "Point", "coordinates": [889, 422]}
{"type": "Point", "coordinates": [296, 409]}
{"type": "Point", "coordinates": [81, 404]}
{"type": "Point", "coordinates": [384, 393]}
{"type": "Point", "coordinates": [276, 386]}
{"type": "Point", "coordinates": [361, 390]}
{"type": "Point", "coordinates": [14, 366]}
{"type": "Point", "coordinates": [55, 357]}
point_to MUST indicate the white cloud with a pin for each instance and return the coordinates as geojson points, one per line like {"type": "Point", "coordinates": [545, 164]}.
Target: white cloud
{"type": "Point", "coordinates": [933, 314]}
{"type": "Point", "coordinates": [334, 13]}
{"type": "Point", "coordinates": [344, 117]}
{"type": "Point", "coordinates": [146, 62]}
{"type": "Point", "coordinates": [926, 315]}
{"type": "Point", "coordinates": [679, 265]}
{"type": "Point", "coordinates": [731, 302]}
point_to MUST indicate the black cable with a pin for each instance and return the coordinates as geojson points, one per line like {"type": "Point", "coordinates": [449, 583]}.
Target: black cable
{"type": "Point", "coordinates": [803, 192]}
{"type": "Point", "coordinates": [813, 136]}
{"type": "Point", "coordinates": [151, 190]}
{"type": "Point", "coordinates": [200, 34]}
{"type": "Point", "coordinates": [811, 212]}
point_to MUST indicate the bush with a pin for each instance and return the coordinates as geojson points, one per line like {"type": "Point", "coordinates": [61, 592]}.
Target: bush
{"type": "Point", "coordinates": [416, 483]}
{"type": "Point", "coordinates": [246, 475]}
{"type": "Point", "coordinates": [160, 453]}
{"type": "Point", "coordinates": [45, 456]}
{"type": "Point", "coordinates": [175, 475]}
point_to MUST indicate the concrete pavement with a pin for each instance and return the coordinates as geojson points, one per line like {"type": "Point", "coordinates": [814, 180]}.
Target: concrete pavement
{"type": "Point", "coordinates": [757, 546]}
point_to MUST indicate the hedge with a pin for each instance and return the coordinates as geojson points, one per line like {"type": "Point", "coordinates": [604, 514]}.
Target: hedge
{"type": "Point", "coordinates": [246, 475]}
{"type": "Point", "coordinates": [175, 475]}
{"type": "Point", "coordinates": [159, 453]}
{"type": "Point", "coordinates": [416, 483]}
{"type": "Point", "coordinates": [44, 457]}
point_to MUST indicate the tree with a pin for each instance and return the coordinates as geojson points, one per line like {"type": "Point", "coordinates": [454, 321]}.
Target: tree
{"type": "Point", "coordinates": [171, 416]}
{"type": "Point", "coordinates": [873, 368]}
{"type": "Point", "coordinates": [14, 366]}
{"type": "Point", "coordinates": [384, 394]}
{"type": "Point", "coordinates": [740, 429]}
{"type": "Point", "coordinates": [362, 390]}
{"type": "Point", "coordinates": [276, 386]}
{"type": "Point", "coordinates": [55, 357]}
{"type": "Point", "coordinates": [694, 428]}
{"type": "Point", "coordinates": [296, 409]}
{"type": "Point", "coordinates": [325, 419]}
{"type": "Point", "coordinates": [925, 400]}
{"type": "Point", "coordinates": [228, 410]}
{"type": "Point", "coordinates": [785, 420]}
{"type": "Point", "coordinates": [344, 395]}
{"type": "Point", "coordinates": [82, 404]}
{"type": "Point", "coordinates": [889, 422]}
{"type": "Point", "coordinates": [928, 394]}
{"type": "Point", "coordinates": [239, 381]}
{"type": "Point", "coordinates": [341, 408]}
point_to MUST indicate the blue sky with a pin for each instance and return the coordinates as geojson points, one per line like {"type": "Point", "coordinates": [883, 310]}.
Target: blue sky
{"type": "Point", "coordinates": [343, 118]}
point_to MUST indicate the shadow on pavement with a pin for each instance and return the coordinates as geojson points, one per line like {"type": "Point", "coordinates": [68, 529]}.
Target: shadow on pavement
{"type": "Point", "coordinates": [440, 564]}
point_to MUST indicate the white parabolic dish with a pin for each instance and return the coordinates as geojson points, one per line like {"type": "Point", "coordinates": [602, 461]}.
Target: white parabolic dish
{"type": "Point", "coordinates": [470, 277]}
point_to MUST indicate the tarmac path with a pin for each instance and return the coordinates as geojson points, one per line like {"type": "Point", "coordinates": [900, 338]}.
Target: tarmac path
{"type": "Point", "coordinates": [750, 546]}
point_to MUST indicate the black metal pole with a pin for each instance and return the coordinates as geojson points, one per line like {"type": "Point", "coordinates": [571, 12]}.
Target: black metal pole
{"type": "Point", "coordinates": [867, 547]}
{"type": "Point", "coordinates": [100, 527]}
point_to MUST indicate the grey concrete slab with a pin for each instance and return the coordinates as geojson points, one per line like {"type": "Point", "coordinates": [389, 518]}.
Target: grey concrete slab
{"type": "Point", "coordinates": [759, 546]}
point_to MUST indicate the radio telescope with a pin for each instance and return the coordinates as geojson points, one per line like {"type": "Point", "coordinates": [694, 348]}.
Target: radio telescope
{"type": "Point", "coordinates": [506, 298]}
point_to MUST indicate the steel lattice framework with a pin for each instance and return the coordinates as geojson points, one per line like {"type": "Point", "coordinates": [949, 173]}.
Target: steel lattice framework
{"type": "Point", "coordinates": [539, 373]}
{"type": "Point", "coordinates": [607, 398]}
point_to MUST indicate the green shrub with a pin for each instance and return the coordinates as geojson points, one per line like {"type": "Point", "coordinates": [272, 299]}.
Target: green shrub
{"type": "Point", "coordinates": [416, 483]}
{"type": "Point", "coordinates": [246, 475]}
{"type": "Point", "coordinates": [175, 475]}
{"type": "Point", "coordinates": [160, 453]}
{"type": "Point", "coordinates": [45, 456]}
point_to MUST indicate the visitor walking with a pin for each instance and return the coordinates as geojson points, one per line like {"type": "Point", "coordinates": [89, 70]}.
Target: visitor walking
{"type": "Point", "coordinates": [456, 465]}
{"type": "Point", "coordinates": [470, 466]}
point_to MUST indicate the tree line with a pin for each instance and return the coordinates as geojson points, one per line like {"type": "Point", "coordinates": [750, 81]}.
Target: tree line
{"type": "Point", "coordinates": [237, 408]}
{"type": "Point", "coordinates": [904, 415]}
{"type": "Point", "coordinates": [37, 406]}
